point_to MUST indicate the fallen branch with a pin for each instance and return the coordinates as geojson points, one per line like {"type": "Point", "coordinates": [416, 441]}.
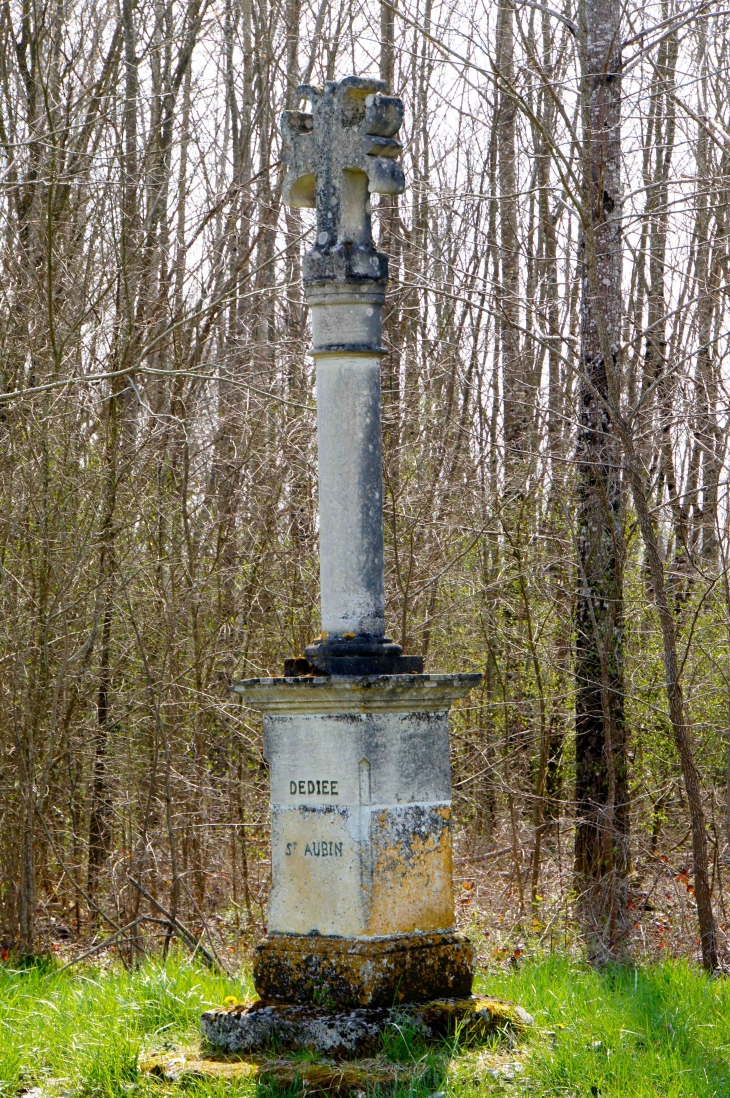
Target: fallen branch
{"type": "Point", "coordinates": [102, 945]}
{"type": "Point", "coordinates": [206, 929]}
{"type": "Point", "coordinates": [182, 932]}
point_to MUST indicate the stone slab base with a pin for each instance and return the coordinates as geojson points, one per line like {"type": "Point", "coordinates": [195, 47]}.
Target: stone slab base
{"type": "Point", "coordinates": [341, 972]}
{"type": "Point", "coordinates": [332, 1077]}
{"type": "Point", "coordinates": [251, 1027]}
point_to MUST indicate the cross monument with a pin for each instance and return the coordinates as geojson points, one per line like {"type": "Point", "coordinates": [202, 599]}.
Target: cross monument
{"type": "Point", "coordinates": [356, 736]}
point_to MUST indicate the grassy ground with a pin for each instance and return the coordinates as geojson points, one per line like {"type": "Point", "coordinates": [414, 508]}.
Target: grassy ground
{"type": "Point", "coordinates": [662, 1031]}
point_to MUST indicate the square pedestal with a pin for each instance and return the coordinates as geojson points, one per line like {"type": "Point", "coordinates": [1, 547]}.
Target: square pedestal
{"type": "Point", "coordinates": [361, 909]}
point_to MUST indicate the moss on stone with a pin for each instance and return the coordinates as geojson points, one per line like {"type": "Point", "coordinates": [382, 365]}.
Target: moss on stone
{"type": "Point", "coordinates": [362, 973]}
{"type": "Point", "coordinates": [476, 1017]}
{"type": "Point", "coordinates": [326, 1076]}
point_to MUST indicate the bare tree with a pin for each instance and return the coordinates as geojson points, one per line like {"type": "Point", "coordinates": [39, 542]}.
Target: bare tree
{"type": "Point", "coordinates": [602, 824]}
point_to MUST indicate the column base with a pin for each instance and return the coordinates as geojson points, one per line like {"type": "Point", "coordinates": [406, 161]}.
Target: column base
{"type": "Point", "coordinates": [253, 1027]}
{"type": "Point", "coordinates": [346, 972]}
{"type": "Point", "coordinates": [363, 654]}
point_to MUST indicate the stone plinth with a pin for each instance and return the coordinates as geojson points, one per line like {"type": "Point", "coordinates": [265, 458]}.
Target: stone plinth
{"type": "Point", "coordinates": [361, 909]}
{"type": "Point", "coordinates": [374, 972]}
{"type": "Point", "coordinates": [247, 1027]}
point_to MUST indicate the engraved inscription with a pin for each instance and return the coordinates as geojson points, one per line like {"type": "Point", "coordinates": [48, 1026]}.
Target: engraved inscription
{"type": "Point", "coordinates": [323, 850]}
{"type": "Point", "coordinates": [327, 787]}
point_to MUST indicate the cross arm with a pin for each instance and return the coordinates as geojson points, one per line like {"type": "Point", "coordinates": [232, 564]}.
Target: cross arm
{"type": "Point", "coordinates": [299, 157]}
{"type": "Point", "coordinates": [383, 117]}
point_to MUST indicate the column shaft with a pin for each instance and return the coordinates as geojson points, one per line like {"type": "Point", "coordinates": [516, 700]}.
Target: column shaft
{"type": "Point", "coordinates": [350, 495]}
{"type": "Point", "coordinates": [346, 338]}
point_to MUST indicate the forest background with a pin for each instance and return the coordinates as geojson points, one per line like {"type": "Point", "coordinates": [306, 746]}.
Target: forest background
{"type": "Point", "coordinates": [158, 504]}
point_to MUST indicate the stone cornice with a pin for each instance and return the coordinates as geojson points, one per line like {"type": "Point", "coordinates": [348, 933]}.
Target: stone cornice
{"type": "Point", "coordinates": [344, 694]}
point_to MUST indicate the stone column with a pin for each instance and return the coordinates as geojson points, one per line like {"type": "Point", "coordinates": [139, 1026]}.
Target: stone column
{"type": "Point", "coordinates": [356, 737]}
{"type": "Point", "coordinates": [346, 348]}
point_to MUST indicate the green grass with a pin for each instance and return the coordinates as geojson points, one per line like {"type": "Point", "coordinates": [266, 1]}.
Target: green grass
{"type": "Point", "coordinates": [660, 1031]}
{"type": "Point", "coordinates": [639, 1033]}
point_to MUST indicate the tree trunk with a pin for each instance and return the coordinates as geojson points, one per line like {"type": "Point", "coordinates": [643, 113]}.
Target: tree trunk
{"type": "Point", "coordinates": [707, 380]}
{"type": "Point", "coordinates": [515, 406]}
{"type": "Point", "coordinates": [387, 44]}
{"type": "Point", "coordinates": [602, 808]}
{"type": "Point", "coordinates": [680, 730]}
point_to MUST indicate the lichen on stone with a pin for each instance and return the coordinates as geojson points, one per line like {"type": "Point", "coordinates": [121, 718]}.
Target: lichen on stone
{"type": "Point", "coordinates": [319, 1076]}
{"type": "Point", "coordinates": [358, 1032]}
{"type": "Point", "coordinates": [477, 1016]}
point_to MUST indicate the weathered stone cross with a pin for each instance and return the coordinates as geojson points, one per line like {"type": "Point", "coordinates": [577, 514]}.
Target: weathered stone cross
{"type": "Point", "coordinates": [337, 154]}
{"type": "Point", "coordinates": [361, 909]}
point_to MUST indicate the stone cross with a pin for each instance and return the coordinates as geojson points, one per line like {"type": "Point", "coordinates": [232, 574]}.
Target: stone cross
{"type": "Point", "coordinates": [361, 909]}
{"type": "Point", "coordinates": [340, 154]}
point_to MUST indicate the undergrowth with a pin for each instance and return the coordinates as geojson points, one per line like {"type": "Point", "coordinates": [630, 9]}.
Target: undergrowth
{"type": "Point", "coordinates": [656, 1032]}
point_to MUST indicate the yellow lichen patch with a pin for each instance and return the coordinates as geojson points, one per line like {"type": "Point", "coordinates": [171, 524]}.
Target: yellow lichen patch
{"type": "Point", "coordinates": [477, 1016]}
{"type": "Point", "coordinates": [180, 1066]}
{"type": "Point", "coordinates": [341, 1077]}
{"type": "Point", "coordinates": [412, 872]}
{"type": "Point", "coordinates": [502, 1011]}
{"type": "Point", "coordinates": [326, 1076]}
